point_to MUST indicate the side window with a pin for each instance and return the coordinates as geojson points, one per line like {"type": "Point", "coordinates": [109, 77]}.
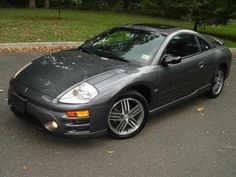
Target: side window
{"type": "Point", "coordinates": [204, 45]}
{"type": "Point", "coordinates": [183, 45]}
{"type": "Point", "coordinates": [214, 42]}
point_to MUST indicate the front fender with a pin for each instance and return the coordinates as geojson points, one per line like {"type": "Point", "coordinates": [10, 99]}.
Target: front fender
{"type": "Point", "coordinates": [112, 88]}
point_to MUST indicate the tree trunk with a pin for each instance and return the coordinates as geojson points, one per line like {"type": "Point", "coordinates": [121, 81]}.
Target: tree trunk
{"type": "Point", "coordinates": [196, 24]}
{"type": "Point", "coordinates": [59, 10]}
{"type": "Point", "coordinates": [128, 5]}
{"type": "Point", "coordinates": [46, 4]}
{"type": "Point", "coordinates": [32, 3]}
{"type": "Point", "coordinates": [116, 6]}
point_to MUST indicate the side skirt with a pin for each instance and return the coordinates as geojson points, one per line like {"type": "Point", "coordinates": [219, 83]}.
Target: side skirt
{"type": "Point", "coordinates": [180, 100]}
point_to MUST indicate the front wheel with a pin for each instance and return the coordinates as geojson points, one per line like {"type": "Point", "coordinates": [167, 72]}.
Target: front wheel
{"type": "Point", "coordinates": [217, 83]}
{"type": "Point", "coordinates": [128, 115]}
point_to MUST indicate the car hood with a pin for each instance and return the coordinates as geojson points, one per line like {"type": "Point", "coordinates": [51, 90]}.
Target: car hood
{"type": "Point", "coordinates": [54, 73]}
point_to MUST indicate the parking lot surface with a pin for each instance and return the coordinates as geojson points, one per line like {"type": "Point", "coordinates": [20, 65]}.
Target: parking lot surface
{"type": "Point", "coordinates": [196, 138]}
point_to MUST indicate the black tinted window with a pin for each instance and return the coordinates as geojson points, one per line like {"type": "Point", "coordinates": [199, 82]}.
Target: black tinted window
{"type": "Point", "coordinates": [214, 42]}
{"type": "Point", "coordinates": [183, 45]}
{"type": "Point", "coordinates": [204, 45]}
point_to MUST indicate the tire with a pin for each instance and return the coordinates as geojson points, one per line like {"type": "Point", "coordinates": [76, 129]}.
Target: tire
{"type": "Point", "coordinates": [128, 121]}
{"type": "Point", "coordinates": [217, 83]}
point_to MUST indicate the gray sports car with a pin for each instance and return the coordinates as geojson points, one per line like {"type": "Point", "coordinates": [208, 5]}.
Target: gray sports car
{"type": "Point", "coordinates": [114, 81]}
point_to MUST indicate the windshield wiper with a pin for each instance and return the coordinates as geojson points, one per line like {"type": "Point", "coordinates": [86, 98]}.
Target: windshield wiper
{"type": "Point", "coordinates": [109, 55]}
{"type": "Point", "coordinates": [86, 50]}
{"type": "Point", "coordinates": [102, 53]}
{"type": "Point", "coordinates": [121, 59]}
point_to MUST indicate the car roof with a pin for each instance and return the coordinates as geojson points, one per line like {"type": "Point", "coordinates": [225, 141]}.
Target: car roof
{"type": "Point", "coordinates": [163, 29]}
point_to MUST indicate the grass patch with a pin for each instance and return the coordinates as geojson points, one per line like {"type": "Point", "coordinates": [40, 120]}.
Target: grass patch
{"type": "Point", "coordinates": [27, 25]}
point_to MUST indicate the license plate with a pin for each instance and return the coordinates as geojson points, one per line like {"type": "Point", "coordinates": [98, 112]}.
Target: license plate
{"type": "Point", "coordinates": [18, 102]}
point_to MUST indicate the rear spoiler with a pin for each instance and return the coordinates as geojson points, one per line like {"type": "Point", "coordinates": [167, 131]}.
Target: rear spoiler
{"type": "Point", "coordinates": [218, 40]}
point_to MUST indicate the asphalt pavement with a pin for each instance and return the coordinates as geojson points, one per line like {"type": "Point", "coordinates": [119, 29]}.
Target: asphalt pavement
{"type": "Point", "coordinates": [194, 139]}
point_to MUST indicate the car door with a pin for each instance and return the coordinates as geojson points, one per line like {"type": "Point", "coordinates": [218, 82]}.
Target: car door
{"type": "Point", "coordinates": [181, 79]}
{"type": "Point", "coordinates": [207, 57]}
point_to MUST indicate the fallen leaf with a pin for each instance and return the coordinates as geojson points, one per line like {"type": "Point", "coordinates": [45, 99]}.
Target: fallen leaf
{"type": "Point", "coordinates": [200, 109]}
{"type": "Point", "coordinates": [2, 128]}
{"type": "Point", "coordinates": [1, 91]}
{"type": "Point", "coordinates": [110, 152]}
{"type": "Point", "coordinates": [230, 147]}
{"type": "Point", "coordinates": [25, 168]}
{"type": "Point", "coordinates": [221, 150]}
{"type": "Point", "coordinates": [35, 49]}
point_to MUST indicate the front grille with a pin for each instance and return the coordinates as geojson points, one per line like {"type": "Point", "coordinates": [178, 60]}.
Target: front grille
{"type": "Point", "coordinates": [76, 125]}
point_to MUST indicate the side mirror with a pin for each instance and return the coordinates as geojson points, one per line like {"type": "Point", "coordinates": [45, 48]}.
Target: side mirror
{"type": "Point", "coordinates": [171, 59]}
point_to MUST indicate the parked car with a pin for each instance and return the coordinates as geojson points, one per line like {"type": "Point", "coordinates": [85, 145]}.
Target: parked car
{"type": "Point", "coordinates": [114, 81]}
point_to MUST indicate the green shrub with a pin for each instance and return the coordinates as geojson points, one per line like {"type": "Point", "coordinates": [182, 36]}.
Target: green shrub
{"type": "Point", "coordinates": [234, 15]}
{"type": "Point", "coordinates": [4, 3]}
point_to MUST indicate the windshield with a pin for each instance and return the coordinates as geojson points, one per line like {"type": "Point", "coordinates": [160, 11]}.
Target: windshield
{"type": "Point", "coordinates": [129, 45]}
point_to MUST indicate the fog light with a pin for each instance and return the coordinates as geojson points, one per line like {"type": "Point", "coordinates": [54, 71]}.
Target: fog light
{"type": "Point", "coordinates": [79, 114]}
{"type": "Point", "coordinates": [51, 125]}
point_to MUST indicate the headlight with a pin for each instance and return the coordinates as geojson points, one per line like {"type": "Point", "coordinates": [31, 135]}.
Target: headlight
{"type": "Point", "coordinates": [18, 72]}
{"type": "Point", "coordinates": [83, 93]}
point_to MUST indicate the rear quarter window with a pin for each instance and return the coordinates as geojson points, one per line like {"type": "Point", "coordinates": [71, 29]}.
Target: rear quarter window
{"type": "Point", "coordinates": [203, 44]}
{"type": "Point", "coordinates": [214, 42]}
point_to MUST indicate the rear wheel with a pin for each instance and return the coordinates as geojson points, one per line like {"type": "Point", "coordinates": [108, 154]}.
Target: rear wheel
{"type": "Point", "coordinates": [217, 83]}
{"type": "Point", "coordinates": [128, 115]}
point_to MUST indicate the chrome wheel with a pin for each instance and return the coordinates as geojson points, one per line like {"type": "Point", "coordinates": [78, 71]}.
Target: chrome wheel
{"type": "Point", "coordinates": [126, 116]}
{"type": "Point", "coordinates": [218, 82]}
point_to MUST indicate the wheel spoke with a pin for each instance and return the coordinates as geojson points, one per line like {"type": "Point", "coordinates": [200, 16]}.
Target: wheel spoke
{"type": "Point", "coordinates": [115, 118]}
{"type": "Point", "coordinates": [121, 126]}
{"type": "Point", "coordinates": [220, 75]}
{"type": "Point", "coordinates": [215, 88]}
{"type": "Point", "coordinates": [217, 79]}
{"type": "Point", "coordinates": [125, 106]}
{"type": "Point", "coordinates": [116, 114]}
{"type": "Point", "coordinates": [136, 110]}
{"type": "Point", "coordinates": [132, 122]}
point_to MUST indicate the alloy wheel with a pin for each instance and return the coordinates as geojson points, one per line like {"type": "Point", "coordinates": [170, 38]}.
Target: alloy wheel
{"type": "Point", "coordinates": [218, 82]}
{"type": "Point", "coordinates": [126, 116]}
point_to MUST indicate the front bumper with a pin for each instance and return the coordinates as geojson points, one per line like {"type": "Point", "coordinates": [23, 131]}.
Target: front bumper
{"type": "Point", "coordinates": [37, 114]}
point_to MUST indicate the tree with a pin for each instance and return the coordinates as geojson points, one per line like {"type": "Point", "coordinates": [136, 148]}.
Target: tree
{"type": "Point", "coordinates": [206, 12]}
{"type": "Point", "coordinates": [62, 1]}
{"type": "Point", "coordinates": [200, 12]}
{"type": "Point", "coordinates": [32, 3]}
{"type": "Point", "coordinates": [46, 4]}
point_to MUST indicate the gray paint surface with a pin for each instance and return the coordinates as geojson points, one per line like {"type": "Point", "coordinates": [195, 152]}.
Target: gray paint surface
{"type": "Point", "coordinates": [179, 142]}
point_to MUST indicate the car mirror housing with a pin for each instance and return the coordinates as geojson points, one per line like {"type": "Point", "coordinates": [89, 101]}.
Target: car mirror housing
{"type": "Point", "coordinates": [171, 59]}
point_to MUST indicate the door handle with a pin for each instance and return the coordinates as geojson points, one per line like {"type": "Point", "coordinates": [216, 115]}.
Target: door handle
{"type": "Point", "coordinates": [201, 64]}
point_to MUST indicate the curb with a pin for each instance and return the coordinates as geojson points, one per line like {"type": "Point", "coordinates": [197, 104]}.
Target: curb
{"type": "Point", "coordinates": [233, 50]}
{"type": "Point", "coordinates": [39, 44]}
